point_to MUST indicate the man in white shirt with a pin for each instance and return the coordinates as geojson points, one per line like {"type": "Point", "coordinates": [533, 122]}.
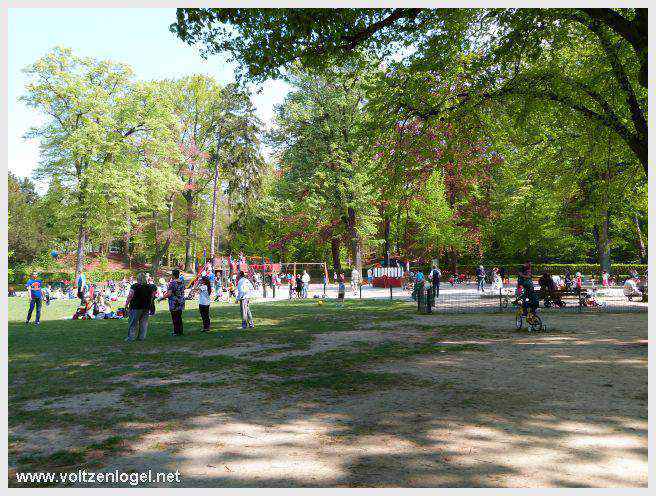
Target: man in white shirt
{"type": "Point", "coordinates": [244, 289]}
{"type": "Point", "coordinates": [305, 278]}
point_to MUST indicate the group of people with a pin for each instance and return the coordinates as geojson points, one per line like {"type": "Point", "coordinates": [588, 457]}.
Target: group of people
{"type": "Point", "coordinates": [142, 295]}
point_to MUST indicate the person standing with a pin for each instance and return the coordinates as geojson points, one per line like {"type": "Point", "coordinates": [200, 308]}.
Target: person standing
{"type": "Point", "coordinates": [139, 302]}
{"type": "Point", "coordinates": [244, 289]}
{"type": "Point", "coordinates": [305, 279]}
{"type": "Point", "coordinates": [299, 286]}
{"type": "Point", "coordinates": [502, 274]}
{"type": "Point", "coordinates": [341, 289]}
{"type": "Point", "coordinates": [82, 287]}
{"type": "Point", "coordinates": [568, 279]}
{"type": "Point", "coordinates": [175, 293]}
{"type": "Point", "coordinates": [35, 293]}
{"type": "Point", "coordinates": [480, 277]}
{"type": "Point", "coordinates": [370, 276]}
{"type": "Point", "coordinates": [435, 277]}
{"type": "Point", "coordinates": [204, 292]}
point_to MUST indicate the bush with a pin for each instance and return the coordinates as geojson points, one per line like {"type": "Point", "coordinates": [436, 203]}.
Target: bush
{"type": "Point", "coordinates": [616, 270]}
{"type": "Point", "coordinates": [21, 274]}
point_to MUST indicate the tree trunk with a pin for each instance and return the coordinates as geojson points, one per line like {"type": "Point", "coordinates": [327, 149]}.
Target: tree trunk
{"type": "Point", "coordinates": [126, 249]}
{"type": "Point", "coordinates": [189, 263]}
{"type": "Point", "coordinates": [387, 226]}
{"type": "Point", "coordinates": [356, 242]}
{"type": "Point", "coordinates": [640, 243]}
{"type": "Point", "coordinates": [334, 249]}
{"type": "Point", "coordinates": [602, 241]}
{"type": "Point", "coordinates": [214, 210]}
{"type": "Point", "coordinates": [454, 262]}
{"type": "Point", "coordinates": [159, 253]}
{"type": "Point", "coordinates": [81, 240]}
{"type": "Point", "coordinates": [81, 234]}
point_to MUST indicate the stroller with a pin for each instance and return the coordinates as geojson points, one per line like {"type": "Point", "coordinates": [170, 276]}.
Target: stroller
{"type": "Point", "coordinates": [549, 292]}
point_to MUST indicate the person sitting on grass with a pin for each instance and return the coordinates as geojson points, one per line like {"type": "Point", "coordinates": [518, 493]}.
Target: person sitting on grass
{"type": "Point", "coordinates": [244, 290]}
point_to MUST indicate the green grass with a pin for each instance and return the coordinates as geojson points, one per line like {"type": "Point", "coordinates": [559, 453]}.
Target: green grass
{"type": "Point", "coordinates": [63, 358]}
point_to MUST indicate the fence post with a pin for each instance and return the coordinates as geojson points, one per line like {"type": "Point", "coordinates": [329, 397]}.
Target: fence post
{"type": "Point", "coordinates": [360, 289]}
{"type": "Point", "coordinates": [390, 292]}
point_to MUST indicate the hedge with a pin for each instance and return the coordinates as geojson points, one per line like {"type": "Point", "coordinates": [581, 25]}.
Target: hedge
{"type": "Point", "coordinates": [21, 276]}
{"type": "Point", "coordinates": [618, 269]}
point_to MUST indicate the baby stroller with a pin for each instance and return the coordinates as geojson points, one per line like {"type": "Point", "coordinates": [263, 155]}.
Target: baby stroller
{"type": "Point", "coordinates": [553, 299]}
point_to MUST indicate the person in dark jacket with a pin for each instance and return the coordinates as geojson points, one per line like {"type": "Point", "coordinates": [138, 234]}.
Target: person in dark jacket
{"type": "Point", "coordinates": [139, 302]}
{"type": "Point", "coordinates": [435, 277]}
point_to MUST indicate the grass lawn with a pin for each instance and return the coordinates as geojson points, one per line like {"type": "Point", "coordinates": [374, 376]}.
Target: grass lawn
{"type": "Point", "coordinates": [364, 394]}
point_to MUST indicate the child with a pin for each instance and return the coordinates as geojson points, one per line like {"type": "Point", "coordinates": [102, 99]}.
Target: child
{"type": "Point", "coordinates": [341, 289]}
{"type": "Point", "coordinates": [292, 289]}
{"type": "Point", "coordinates": [232, 290]}
{"type": "Point", "coordinates": [204, 291]}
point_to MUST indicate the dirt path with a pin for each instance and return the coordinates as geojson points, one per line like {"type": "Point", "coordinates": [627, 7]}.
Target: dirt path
{"type": "Point", "coordinates": [565, 408]}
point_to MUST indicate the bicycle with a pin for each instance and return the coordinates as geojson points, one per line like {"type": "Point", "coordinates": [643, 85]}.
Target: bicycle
{"type": "Point", "coordinates": [533, 320]}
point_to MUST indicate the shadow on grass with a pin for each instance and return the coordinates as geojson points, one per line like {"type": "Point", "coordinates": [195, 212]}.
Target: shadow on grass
{"type": "Point", "coordinates": [333, 418]}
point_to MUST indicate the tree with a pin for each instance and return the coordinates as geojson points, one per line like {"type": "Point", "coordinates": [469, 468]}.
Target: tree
{"type": "Point", "coordinates": [511, 54]}
{"type": "Point", "coordinates": [27, 237]}
{"type": "Point", "coordinates": [99, 127]}
{"type": "Point", "coordinates": [324, 160]}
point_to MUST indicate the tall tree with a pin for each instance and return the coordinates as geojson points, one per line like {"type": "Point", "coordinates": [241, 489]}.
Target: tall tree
{"type": "Point", "coordinates": [97, 123]}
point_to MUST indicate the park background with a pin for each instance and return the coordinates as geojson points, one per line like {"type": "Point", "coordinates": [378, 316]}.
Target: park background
{"type": "Point", "coordinates": [498, 136]}
{"type": "Point", "coordinates": [342, 162]}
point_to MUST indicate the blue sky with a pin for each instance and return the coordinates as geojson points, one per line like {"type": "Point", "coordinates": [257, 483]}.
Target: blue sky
{"type": "Point", "coordinates": [138, 37]}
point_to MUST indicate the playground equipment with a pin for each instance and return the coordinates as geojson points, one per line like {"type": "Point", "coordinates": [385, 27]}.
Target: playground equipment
{"type": "Point", "coordinates": [392, 276]}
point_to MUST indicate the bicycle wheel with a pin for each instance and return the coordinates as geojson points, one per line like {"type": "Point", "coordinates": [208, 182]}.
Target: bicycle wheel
{"type": "Point", "coordinates": [535, 323]}
{"type": "Point", "coordinates": [519, 320]}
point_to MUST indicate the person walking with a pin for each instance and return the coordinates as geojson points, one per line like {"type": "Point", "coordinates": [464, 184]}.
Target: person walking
{"type": "Point", "coordinates": [204, 292]}
{"type": "Point", "coordinates": [35, 293]}
{"type": "Point", "coordinates": [305, 279]}
{"type": "Point", "coordinates": [138, 302]}
{"type": "Point", "coordinates": [175, 293]}
{"type": "Point", "coordinates": [480, 277]}
{"type": "Point", "coordinates": [244, 289]}
{"type": "Point", "coordinates": [435, 277]}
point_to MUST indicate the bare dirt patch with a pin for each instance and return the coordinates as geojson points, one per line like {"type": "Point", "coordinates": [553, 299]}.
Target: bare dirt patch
{"type": "Point", "coordinates": [565, 408]}
{"type": "Point", "coordinates": [79, 403]}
